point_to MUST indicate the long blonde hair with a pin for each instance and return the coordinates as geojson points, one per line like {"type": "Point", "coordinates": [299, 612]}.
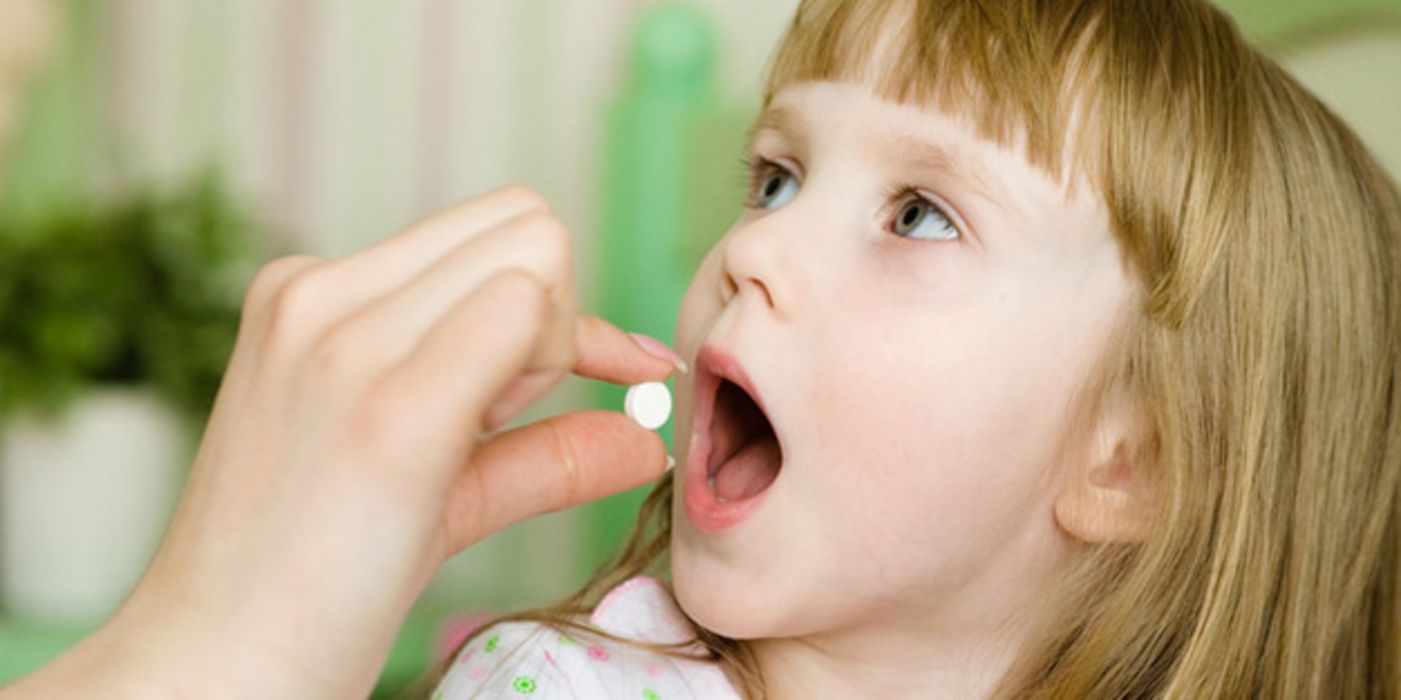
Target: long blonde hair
{"type": "Point", "coordinates": [1265, 352]}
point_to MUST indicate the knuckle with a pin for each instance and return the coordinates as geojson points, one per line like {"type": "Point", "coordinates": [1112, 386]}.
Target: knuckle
{"type": "Point", "coordinates": [535, 302]}
{"type": "Point", "coordinates": [550, 229]}
{"type": "Point", "coordinates": [274, 304]}
{"type": "Point", "coordinates": [547, 230]}
{"type": "Point", "coordinates": [338, 355]}
{"type": "Point", "coordinates": [523, 196]}
{"type": "Point", "coordinates": [296, 303]}
{"type": "Point", "coordinates": [570, 484]}
{"type": "Point", "coordinates": [515, 303]}
{"type": "Point", "coordinates": [555, 243]}
{"type": "Point", "coordinates": [384, 422]}
{"type": "Point", "coordinates": [567, 355]}
{"type": "Point", "coordinates": [524, 289]}
{"type": "Point", "coordinates": [550, 246]}
{"type": "Point", "coordinates": [273, 275]}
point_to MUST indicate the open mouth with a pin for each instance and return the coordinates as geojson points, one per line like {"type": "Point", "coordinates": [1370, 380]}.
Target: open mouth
{"type": "Point", "coordinates": [744, 457]}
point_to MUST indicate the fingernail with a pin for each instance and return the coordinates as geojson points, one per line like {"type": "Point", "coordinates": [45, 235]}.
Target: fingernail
{"type": "Point", "coordinates": [659, 349]}
{"type": "Point", "coordinates": [670, 462]}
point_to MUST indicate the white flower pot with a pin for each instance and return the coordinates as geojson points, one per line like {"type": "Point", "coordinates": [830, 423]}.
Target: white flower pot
{"type": "Point", "coordinates": [84, 501]}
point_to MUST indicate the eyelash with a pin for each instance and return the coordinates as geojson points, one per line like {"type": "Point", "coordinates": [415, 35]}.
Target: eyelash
{"type": "Point", "coordinates": [753, 168]}
{"type": "Point", "coordinates": [756, 168]}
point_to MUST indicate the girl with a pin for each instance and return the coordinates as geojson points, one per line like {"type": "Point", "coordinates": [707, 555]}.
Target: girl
{"type": "Point", "coordinates": [1054, 356]}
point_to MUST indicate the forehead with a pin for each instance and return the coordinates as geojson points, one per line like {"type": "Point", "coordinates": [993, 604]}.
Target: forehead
{"type": "Point", "coordinates": [1015, 74]}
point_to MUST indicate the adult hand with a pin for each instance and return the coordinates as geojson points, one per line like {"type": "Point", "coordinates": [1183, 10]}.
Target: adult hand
{"type": "Point", "coordinates": [350, 452]}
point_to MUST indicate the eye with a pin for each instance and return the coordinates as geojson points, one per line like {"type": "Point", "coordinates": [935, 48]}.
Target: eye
{"type": "Point", "coordinates": [921, 219]}
{"type": "Point", "coordinates": [775, 186]}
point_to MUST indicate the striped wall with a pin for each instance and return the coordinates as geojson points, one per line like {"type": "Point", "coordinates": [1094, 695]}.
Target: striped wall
{"type": "Point", "coordinates": [347, 120]}
{"type": "Point", "coordinates": [343, 121]}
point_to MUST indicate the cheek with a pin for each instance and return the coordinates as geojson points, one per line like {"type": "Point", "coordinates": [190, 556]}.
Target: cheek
{"type": "Point", "coordinates": [932, 432]}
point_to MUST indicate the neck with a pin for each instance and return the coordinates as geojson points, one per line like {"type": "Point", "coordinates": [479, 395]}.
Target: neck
{"type": "Point", "coordinates": [952, 644]}
{"type": "Point", "coordinates": [883, 663]}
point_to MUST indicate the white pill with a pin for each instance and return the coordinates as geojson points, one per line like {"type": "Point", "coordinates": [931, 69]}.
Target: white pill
{"type": "Point", "coordinates": [649, 404]}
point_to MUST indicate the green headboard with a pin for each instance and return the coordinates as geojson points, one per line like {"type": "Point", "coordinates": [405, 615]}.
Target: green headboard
{"type": "Point", "coordinates": [1275, 22]}
{"type": "Point", "coordinates": [669, 189]}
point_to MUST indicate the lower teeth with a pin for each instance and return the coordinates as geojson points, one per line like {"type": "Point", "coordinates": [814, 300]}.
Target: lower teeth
{"type": "Point", "coordinates": [710, 483]}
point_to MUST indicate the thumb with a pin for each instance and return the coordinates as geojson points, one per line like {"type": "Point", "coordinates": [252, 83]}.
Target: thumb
{"type": "Point", "coordinates": [546, 466]}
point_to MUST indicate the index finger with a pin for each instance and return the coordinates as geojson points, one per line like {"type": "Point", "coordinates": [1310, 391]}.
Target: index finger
{"type": "Point", "coordinates": [608, 353]}
{"type": "Point", "coordinates": [601, 351]}
{"type": "Point", "coordinates": [392, 262]}
{"type": "Point", "coordinates": [546, 466]}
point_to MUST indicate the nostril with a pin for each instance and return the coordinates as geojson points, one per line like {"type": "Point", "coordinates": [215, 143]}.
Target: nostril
{"type": "Point", "coordinates": [768, 297]}
{"type": "Point", "coordinates": [728, 289]}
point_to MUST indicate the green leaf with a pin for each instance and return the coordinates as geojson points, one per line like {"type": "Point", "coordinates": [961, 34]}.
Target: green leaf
{"type": "Point", "coordinates": [146, 288]}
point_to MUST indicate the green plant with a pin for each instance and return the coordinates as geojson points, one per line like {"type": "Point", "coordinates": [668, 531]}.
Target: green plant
{"type": "Point", "coordinates": [145, 289]}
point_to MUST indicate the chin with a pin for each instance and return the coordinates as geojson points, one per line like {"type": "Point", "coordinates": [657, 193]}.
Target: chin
{"type": "Point", "coordinates": [714, 608]}
{"type": "Point", "coordinates": [719, 602]}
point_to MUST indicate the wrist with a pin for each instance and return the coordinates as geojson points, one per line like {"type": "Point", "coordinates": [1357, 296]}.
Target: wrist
{"type": "Point", "coordinates": [158, 646]}
{"type": "Point", "coordinates": [109, 659]}
{"type": "Point", "coordinates": [166, 644]}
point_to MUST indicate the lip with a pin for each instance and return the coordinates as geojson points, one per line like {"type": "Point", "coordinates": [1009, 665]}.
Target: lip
{"type": "Point", "coordinates": [708, 514]}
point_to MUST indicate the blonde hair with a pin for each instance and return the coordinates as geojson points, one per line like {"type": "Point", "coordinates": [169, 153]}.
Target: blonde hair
{"type": "Point", "coordinates": [1265, 352]}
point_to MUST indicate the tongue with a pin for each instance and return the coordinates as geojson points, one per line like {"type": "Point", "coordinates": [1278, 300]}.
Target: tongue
{"type": "Point", "coordinates": [750, 471]}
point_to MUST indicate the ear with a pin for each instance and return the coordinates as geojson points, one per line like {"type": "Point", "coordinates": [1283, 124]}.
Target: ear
{"type": "Point", "coordinates": [1109, 492]}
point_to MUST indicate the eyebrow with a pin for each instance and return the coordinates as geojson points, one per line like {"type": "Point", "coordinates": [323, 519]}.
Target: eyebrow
{"type": "Point", "coordinates": [781, 119]}
{"type": "Point", "coordinates": [916, 152]}
{"type": "Point", "coordinates": [964, 166]}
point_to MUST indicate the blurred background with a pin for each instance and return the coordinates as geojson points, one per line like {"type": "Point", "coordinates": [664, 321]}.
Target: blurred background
{"type": "Point", "coordinates": [154, 153]}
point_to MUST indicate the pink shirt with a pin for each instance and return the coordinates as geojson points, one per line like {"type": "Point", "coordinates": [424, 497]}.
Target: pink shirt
{"type": "Point", "coordinates": [525, 659]}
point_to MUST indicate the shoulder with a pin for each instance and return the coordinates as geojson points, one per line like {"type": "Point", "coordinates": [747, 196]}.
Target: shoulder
{"type": "Point", "coordinates": [513, 659]}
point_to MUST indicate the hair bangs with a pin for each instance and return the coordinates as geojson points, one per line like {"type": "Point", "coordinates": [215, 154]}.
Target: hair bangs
{"type": "Point", "coordinates": [1015, 73]}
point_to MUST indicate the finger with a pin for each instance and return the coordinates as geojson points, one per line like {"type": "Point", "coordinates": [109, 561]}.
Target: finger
{"type": "Point", "coordinates": [389, 264]}
{"type": "Point", "coordinates": [608, 353]}
{"type": "Point", "coordinates": [258, 299]}
{"type": "Point", "coordinates": [604, 352]}
{"type": "Point", "coordinates": [272, 277]}
{"type": "Point", "coordinates": [518, 396]}
{"type": "Point", "coordinates": [534, 242]}
{"type": "Point", "coordinates": [478, 348]}
{"type": "Point", "coordinates": [546, 466]}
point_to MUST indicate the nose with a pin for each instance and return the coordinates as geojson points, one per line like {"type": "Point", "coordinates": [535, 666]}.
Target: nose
{"type": "Point", "coordinates": [760, 259]}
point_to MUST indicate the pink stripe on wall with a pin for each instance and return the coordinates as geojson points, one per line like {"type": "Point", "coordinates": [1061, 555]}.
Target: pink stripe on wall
{"type": "Point", "coordinates": [290, 136]}
{"type": "Point", "coordinates": [440, 18]}
{"type": "Point", "coordinates": [111, 69]}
